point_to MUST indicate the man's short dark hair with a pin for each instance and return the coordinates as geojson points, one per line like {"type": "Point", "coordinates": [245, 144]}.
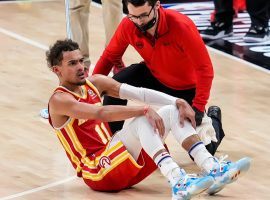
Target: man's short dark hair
{"type": "Point", "coordinates": [138, 3]}
{"type": "Point", "coordinates": [54, 55]}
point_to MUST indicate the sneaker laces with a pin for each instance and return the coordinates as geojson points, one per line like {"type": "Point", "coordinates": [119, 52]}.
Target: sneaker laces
{"type": "Point", "coordinates": [185, 179]}
{"type": "Point", "coordinates": [190, 176]}
{"type": "Point", "coordinates": [221, 162]}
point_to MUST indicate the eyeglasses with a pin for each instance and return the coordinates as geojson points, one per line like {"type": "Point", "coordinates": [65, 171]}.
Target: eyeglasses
{"type": "Point", "coordinates": [142, 17]}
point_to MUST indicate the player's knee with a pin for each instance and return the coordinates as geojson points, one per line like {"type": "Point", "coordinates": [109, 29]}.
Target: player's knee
{"type": "Point", "coordinates": [168, 110]}
{"type": "Point", "coordinates": [139, 122]}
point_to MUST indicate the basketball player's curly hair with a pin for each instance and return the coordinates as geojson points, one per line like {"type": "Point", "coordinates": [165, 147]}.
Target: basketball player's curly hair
{"type": "Point", "coordinates": [137, 3]}
{"type": "Point", "coordinates": [54, 55]}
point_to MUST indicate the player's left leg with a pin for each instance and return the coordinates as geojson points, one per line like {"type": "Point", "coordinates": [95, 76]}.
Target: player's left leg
{"type": "Point", "coordinates": [140, 134]}
{"type": "Point", "coordinates": [223, 172]}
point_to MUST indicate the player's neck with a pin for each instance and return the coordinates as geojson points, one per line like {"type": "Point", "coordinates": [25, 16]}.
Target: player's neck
{"type": "Point", "coordinates": [73, 88]}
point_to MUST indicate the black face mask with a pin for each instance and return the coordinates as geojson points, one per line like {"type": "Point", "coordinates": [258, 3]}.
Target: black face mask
{"type": "Point", "coordinates": [147, 26]}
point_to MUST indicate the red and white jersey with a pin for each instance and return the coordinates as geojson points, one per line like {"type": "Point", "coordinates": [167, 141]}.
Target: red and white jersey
{"type": "Point", "coordinates": [83, 138]}
{"type": "Point", "coordinates": [86, 143]}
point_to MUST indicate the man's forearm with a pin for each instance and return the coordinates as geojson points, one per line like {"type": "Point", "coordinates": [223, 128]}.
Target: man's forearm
{"type": "Point", "coordinates": [118, 113]}
{"type": "Point", "coordinates": [103, 66]}
{"type": "Point", "coordinates": [145, 95]}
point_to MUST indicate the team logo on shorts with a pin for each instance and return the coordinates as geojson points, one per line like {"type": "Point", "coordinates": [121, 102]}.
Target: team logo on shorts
{"type": "Point", "coordinates": [105, 162]}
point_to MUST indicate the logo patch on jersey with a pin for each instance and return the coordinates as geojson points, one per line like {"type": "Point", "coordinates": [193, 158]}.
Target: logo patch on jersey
{"type": "Point", "coordinates": [105, 162]}
{"type": "Point", "coordinates": [139, 44]}
{"type": "Point", "coordinates": [92, 93]}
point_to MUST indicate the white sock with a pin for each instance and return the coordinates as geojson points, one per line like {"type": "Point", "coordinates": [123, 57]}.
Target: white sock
{"type": "Point", "coordinates": [169, 168]}
{"type": "Point", "coordinates": [202, 157]}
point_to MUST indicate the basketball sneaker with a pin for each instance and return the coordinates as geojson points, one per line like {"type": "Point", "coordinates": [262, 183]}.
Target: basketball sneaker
{"type": "Point", "coordinates": [257, 34]}
{"type": "Point", "coordinates": [190, 185]}
{"type": "Point", "coordinates": [226, 173]}
{"type": "Point", "coordinates": [44, 113]}
{"type": "Point", "coordinates": [216, 31]}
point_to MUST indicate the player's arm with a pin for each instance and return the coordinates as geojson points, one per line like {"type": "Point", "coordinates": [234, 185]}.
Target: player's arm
{"type": "Point", "coordinates": [63, 104]}
{"type": "Point", "coordinates": [110, 87]}
{"type": "Point", "coordinates": [158, 98]}
{"type": "Point", "coordinates": [198, 54]}
{"type": "Point", "coordinates": [105, 85]}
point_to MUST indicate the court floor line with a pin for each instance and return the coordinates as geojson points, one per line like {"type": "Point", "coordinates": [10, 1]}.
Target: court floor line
{"type": "Point", "coordinates": [39, 188]}
{"type": "Point", "coordinates": [28, 41]}
{"type": "Point", "coordinates": [239, 60]}
{"type": "Point", "coordinates": [23, 39]}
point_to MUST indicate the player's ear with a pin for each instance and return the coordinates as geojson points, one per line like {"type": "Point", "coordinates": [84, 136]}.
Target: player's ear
{"type": "Point", "coordinates": [56, 70]}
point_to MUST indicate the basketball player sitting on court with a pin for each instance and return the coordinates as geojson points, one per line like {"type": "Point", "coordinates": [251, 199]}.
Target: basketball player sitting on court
{"type": "Point", "coordinates": [112, 164]}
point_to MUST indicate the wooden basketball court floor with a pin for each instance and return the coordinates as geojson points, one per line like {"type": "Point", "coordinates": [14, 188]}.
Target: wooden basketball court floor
{"type": "Point", "coordinates": [33, 164]}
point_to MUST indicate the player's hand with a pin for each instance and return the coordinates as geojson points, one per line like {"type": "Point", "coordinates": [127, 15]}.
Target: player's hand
{"type": "Point", "coordinates": [198, 116]}
{"type": "Point", "coordinates": [156, 121]}
{"type": "Point", "coordinates": [185, 112]}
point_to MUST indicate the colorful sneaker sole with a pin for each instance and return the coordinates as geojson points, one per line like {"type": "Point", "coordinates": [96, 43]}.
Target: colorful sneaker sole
{"type": "Point", "coordinates": [200, 186]}
{"type": "Point", "coordinates": [238, 169]}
